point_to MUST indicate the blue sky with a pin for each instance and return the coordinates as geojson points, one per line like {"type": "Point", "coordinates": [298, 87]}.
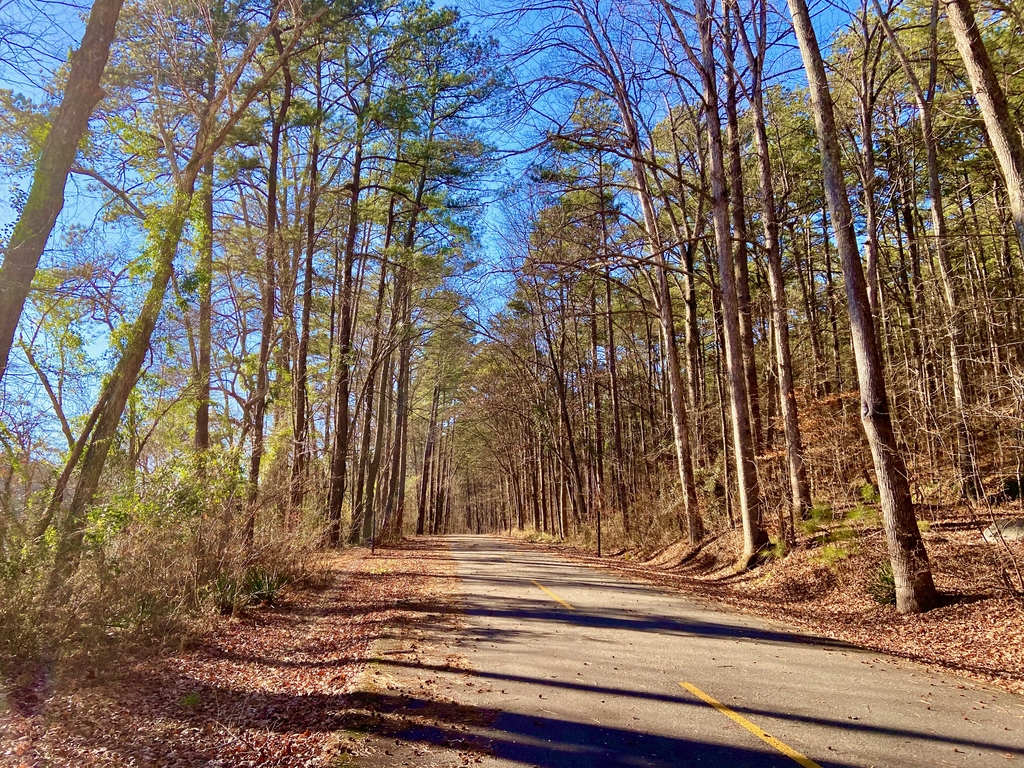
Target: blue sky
{"type": "Point", "coordinates": [37, 35]}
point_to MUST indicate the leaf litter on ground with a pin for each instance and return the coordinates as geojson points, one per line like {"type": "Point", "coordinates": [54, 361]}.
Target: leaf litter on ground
{"type": "Point", "coordinates": [276, 686]}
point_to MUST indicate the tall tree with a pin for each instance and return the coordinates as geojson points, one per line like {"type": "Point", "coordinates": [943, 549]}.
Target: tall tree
{"type": "Point", "coordinates": [46, 196]}
{"type": "Point", "coordinates": [915, 591]}
{"type": "Point", "coordinates": [1003, 132]}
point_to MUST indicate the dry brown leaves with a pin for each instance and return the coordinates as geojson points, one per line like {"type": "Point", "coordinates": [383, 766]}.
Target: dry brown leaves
{"type": "Point", "coordinates": [978, 632]}
{"type": "Point", "coordinates": [271, 688]}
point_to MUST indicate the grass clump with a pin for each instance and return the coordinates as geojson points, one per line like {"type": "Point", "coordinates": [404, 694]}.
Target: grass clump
{"type": "Point", "coordinates": [862, 514]}
{"type": "Point", "coordinates": [869, 493]}
{"type": "Point", "coordinates": [776, 549]}
{"type": "Point", "coordinates": [882, 584]}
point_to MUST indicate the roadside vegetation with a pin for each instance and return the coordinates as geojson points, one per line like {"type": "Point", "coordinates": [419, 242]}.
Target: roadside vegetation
{"type": "Point", "coordinates": [281, 279]}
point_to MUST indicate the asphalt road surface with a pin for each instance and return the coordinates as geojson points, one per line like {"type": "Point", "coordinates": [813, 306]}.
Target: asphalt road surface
{"type": "Point", "coordinates": [587, 669]}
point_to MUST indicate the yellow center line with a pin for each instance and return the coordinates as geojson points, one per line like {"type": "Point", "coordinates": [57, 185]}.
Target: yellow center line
{"type": "Point", "coordinates": [541, 587]}
{"type": "Point", "coordinates": [785, 749]}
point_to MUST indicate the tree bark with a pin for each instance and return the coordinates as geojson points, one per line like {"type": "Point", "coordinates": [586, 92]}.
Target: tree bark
{"type": "Point", "coordinates": [202, 426]}
{"type": "Point", "coordinates": [428, 455]}
{"type": "Point", "coordinates": [915, 591]}
{"type": "Point", "coordinates": [800, 492]}
{"type": "Point", "coordinates": [342, 417]}
{"type": "Point", "coordinates": [740, 238]}
{"type": "Point", "coordinates": [301, 391]}
{"type": "Point", "coordinates": [662, 295]}
{"type": "Point", "coordinates": [269, 304]}
{"type": "Point", "coordinates": [1003, 132]}
{"type": "Point", "coordinates": [755, 537]}
{"type": "Point", "coordinates": [970, 481]}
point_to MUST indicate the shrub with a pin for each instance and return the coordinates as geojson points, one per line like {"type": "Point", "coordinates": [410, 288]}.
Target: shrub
{"type": "Point", "coordinates": [817, 517]}
{"type": "Point", "coordinates": [157, 558]}
{"type": "Point", "coordinates": [263, 585]}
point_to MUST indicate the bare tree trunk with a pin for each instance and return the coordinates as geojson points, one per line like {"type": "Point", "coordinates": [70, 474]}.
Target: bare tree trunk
{"type": "Point", "coordinates": [970, 481]}
{"type": "Point", "coordinates": [740, 237]}
{"type": "Point", "coordinates": [428, 466]}
{"type": "Point", "coordinates": [269, 304]}
{"type": "Point", "coordinates": [866, 98]}
{"type": "Point", "coordinates": [596, 394]}
{"type": "Point", "coordinates": [339, 454]}
{"type": "Point", "coordinates": [663, 299]}
{"type": "Point", "coordinates": [1003, 132]}
{"type": "Point", "coordinates": [301, 389]}
{"type": "Point", "coordinates": [799, 487]}
{"type": "Point", "coordinates": [373, 470]}
{"type": "Point", "coordinates": [755, 537]}
{"type": "Point", "coordinates": [361, 510]}
{"type": "Point", "coordinates": [611, 355]}
{"type": "Point", "coordinates": [578, 498]}
{"type": "Point", "coordinates": [394, 508]}
{"type": "Point", "coordinates": [46, 195]}
{"type": "Point", "coordinates": [202, 427]}
{"type": "Point", "coordinates": [915, 591]}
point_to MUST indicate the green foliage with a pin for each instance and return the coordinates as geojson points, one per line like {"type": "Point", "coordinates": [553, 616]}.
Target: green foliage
{"type": "Point", "coordinates": [834, 552]}
{"type": "Point", "coordinates": [834, 539]}
{"type": "Point", "coordinates": [154, 563]}
{"type": "Point", "coordinates": [817, 517]}
{"type": "Point", "coordinates": [869, 493]}
{"type": "Point", "coordinates": [882, 585]}
{"type": "Point", "coordinates": [776, 549]}
{"type": "Point", "coordinates": [864, 515]}
{"type": "Point", "coordinates": [263, 585]}
{"type": "Point", "coordinates": [257, 585]}
{"type": "Point", "coordinates": [836, 535]}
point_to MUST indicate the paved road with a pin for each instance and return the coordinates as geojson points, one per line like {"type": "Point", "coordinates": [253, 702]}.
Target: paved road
{"type": "Point", "coordinates": [587, 669]}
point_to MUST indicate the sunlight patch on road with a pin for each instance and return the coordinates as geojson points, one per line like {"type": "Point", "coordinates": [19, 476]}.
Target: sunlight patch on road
{"type": "Point", "coordinates": [785, 749]}
{"type": "Point", "coordinates": [553, 596]}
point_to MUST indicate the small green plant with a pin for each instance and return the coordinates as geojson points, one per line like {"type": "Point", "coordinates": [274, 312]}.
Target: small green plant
{"type": "Point", "coordinates": [882, 586]}
{"type": "Point", "coordinates": [834, 552]}
{"type": "Point", "coordinates": [262, 586]}
{"type": "Point", "coordinates": [817, 517]}
{"type": "Point", "coordinates": [862, 514]}
{"type": "Point", "coordinates": [190, 699]}
{"type": "Point", "coordinates": [837, 535]}
{"type": "Point", "coordinates": [256, 586]}
{"type": "Point", "coordinates": [776, 549]}
{"type": "Point", "coordinates": [869, 493]}
{"type": "Point", "coordinates": [924, 526]}
{"type": "Point", "coordinates": [227, 593]}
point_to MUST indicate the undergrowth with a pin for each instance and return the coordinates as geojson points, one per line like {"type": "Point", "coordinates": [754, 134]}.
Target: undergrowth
{"type": "Point", "coordinates": [882, 584]}
{"type": "Point", "coordinates": [153, 566]}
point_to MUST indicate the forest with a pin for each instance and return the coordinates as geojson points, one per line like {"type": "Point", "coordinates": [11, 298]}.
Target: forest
{"type": "Point", "coordinates": [290, 276]}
